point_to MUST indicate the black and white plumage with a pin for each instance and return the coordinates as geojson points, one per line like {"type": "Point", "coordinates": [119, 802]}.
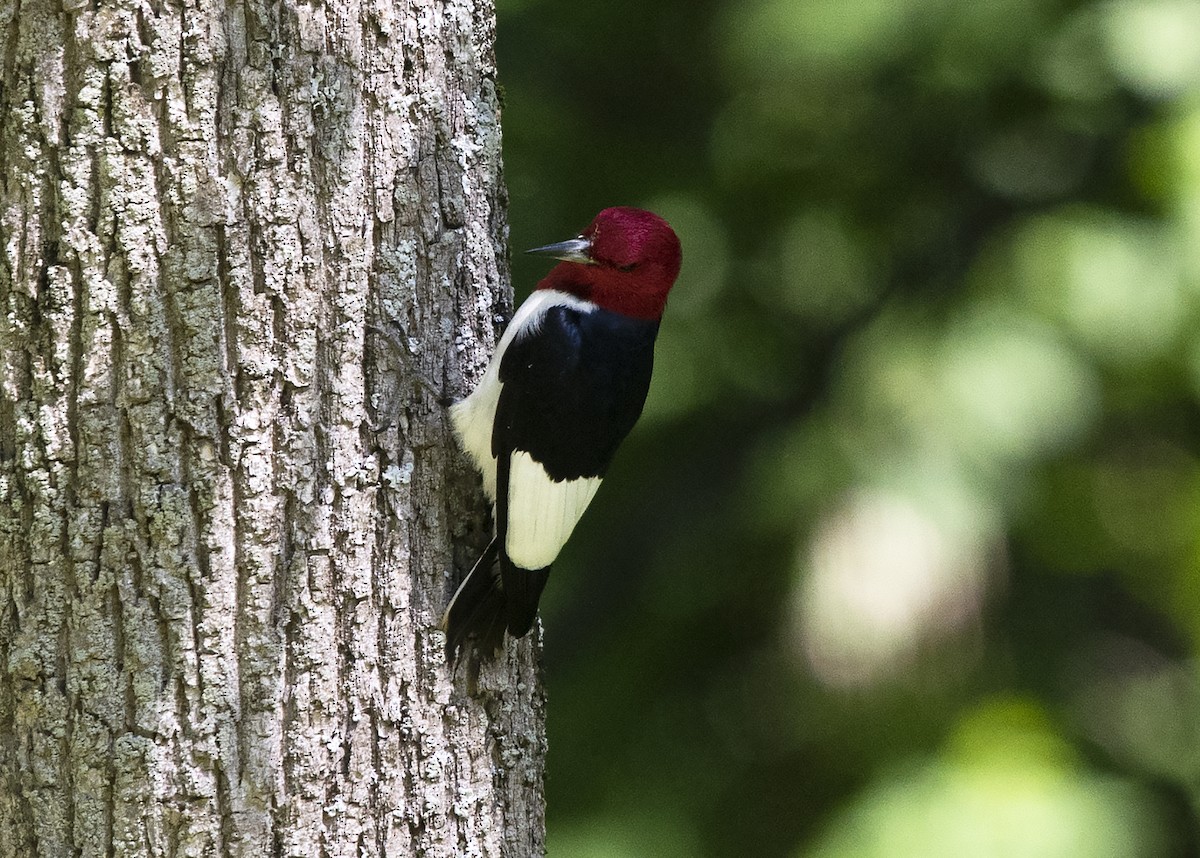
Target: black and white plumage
{"type": "Point", "coordinates": [566, 385]}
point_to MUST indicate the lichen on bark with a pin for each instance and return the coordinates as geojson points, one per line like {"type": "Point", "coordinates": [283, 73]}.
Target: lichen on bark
{"type": "Point", "coordinates": [229, 513]}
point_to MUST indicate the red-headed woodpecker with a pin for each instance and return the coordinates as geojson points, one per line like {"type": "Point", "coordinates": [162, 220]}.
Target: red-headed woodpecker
{"type": "Point", "coordinates": [566, 384]}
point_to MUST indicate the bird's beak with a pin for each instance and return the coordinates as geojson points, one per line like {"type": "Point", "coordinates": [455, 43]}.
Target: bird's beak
{"type": "Point", "coordinates": [571, 250]}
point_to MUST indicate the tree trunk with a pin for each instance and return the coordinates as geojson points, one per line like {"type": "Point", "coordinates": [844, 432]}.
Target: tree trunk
{"type": "Point", "coordinates": [230, 508]}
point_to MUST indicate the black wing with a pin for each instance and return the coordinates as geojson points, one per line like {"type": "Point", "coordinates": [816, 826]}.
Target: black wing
{"type": "Point", "coordinates": [573, 389]}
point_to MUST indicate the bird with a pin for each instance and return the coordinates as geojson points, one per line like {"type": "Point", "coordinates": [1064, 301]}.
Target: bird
{"type": "Point", "coordinates": [566, 384]}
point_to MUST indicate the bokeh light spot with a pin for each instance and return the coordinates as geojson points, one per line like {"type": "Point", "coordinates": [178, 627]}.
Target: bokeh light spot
{"type": "Point", "coordinates": [881, 577]}
{"type": "Point", "coordinates": [1152, 45]}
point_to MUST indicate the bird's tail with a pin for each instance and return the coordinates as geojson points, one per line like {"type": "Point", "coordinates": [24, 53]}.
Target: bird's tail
{"type": "Point", "coordinates": [522, 592]}
{"type": "Point", "coordinates": [487, 603]}
{"type": "Point", "coordinates": [477, 607]}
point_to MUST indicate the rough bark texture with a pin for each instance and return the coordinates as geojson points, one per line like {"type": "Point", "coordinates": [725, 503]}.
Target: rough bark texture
{"type": "Point", "coordinates": [229, 510]}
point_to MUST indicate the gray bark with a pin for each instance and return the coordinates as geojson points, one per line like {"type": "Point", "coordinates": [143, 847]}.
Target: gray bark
{"type": "Point", "coordinates": [229, 512]}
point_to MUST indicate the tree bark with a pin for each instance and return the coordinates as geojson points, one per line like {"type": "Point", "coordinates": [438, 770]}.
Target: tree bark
{"type": "Point", "coordinates": [230, 509]}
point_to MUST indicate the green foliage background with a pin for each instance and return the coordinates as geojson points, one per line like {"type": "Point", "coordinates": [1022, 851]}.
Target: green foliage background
{"type": "Point", "coordinates": [902, 559]}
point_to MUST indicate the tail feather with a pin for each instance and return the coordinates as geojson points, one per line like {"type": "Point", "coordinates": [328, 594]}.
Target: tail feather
{"type": "Point", "coordinates": [487, 603]}
{"type": "Point", "coordinates": [477, 608]}
{"type": "Point", "coordinates": [522, 591]}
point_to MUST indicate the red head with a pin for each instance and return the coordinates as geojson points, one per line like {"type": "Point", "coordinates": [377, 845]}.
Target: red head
{"type": "Point", "coordinates": [625, 261]}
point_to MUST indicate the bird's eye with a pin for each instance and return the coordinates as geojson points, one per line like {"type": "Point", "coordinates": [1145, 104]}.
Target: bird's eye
{"type": "Point", "coordinates": [629, 267]}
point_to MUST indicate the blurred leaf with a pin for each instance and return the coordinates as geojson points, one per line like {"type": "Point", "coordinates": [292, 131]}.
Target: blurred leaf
{"type": "Point", "coordinates": [1143, 708]}
{"type": "Point", "coordinates": [1005, 788]}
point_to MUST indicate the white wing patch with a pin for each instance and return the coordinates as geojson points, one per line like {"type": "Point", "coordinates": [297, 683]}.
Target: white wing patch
{"type": "Point", "coordinates": [473, 417]}
{"type": "Point", "coordinates": [541, 512]}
